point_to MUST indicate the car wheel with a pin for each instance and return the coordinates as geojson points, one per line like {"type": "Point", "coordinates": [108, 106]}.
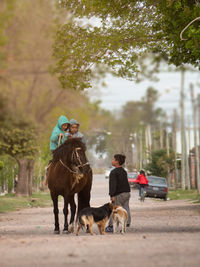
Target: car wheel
{"type": "Point", "coordinates": [165, 198]}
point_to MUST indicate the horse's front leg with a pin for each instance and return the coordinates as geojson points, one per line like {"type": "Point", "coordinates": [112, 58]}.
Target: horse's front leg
{"type": "Point", "coordinates": [65, 211]}
{"type": "Point", "coordinates": [73, 212]}
{"type": "Point", "coordinates": [56, 211]}
{"type": "Point", "coordinates": [84, 198]}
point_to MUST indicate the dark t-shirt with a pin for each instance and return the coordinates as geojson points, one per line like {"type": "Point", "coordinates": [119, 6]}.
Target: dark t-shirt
{"type": "Point", "coordinates": [118, 182]}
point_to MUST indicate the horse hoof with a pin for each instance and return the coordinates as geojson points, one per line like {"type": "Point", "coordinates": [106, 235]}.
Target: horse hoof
{"type": "Point", "coordinates": [56, 232]}
{"type": "Point", "coordinates": [66, 232]}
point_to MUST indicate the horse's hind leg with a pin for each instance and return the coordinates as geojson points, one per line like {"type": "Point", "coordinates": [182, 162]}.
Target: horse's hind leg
{"type": "Point", "coordinates": [56, 211]}
{"type": "Point", "coordinates": [73, 212]}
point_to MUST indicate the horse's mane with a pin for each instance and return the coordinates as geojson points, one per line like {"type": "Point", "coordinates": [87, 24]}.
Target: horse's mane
{"type": "Point", "coordinates": [65, 150]}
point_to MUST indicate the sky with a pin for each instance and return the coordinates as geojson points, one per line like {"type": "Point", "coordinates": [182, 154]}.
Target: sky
{"type": "Point", "coordinates": [119, 91]}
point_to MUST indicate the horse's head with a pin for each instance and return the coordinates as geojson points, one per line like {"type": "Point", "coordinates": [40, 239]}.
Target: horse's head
{"type": "Point", "coordinates": [72, 154]}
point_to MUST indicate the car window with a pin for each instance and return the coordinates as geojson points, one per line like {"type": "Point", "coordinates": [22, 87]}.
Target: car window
{"type": "Point", "coordinates": [157, 180]}
{"type": "Point", "coordinates": [132, 175]}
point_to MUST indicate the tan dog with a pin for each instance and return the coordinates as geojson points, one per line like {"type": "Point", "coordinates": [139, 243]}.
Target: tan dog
{"type": "Point", "coordinates": [119, 216]}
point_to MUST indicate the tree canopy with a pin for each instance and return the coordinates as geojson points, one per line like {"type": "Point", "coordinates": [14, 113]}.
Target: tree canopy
{"type": "Point", "coordinates": [125, 32]}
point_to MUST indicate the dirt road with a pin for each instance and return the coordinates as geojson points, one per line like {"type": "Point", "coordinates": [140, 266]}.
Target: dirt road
{"type": "Point", "coordinates": [162, 234]}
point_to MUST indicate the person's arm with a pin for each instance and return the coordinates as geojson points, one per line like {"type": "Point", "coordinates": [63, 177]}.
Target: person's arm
{"type": "Point", "coordinates": [83, 140]}
{"type": "Point", "coordinates": [137, 179]}
{"type": "Point", "coordinates": [55, 136]}
{"type": "Point", "coordinates": [79, 134]}
{"type": "Point", "coordinates": [112, 184]}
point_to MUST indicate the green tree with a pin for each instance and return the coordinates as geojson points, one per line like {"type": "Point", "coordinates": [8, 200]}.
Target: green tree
{"type": "Point", "coordinates": [8, 173]}
{"type": "Point", "coordinates": [6, 15]}
{"type": "Point", "coordinates": [127, 31]}
{"type": "Point", "coordinates": [120, 134]}
{"type": "Point", "coordinates": [31, 91]}
{"type": "Point", "coordinates": [161, 163]}
{"type": "Point", "coordinates": [18, 139]}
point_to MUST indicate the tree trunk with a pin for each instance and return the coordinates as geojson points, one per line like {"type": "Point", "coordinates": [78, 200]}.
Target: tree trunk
{"type": "Point", "coordinates": [24, 185]}
{"type": "Point", "coordinates": [30, 176]}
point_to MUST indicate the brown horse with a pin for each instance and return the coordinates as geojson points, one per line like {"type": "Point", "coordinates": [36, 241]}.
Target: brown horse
{"type": "Point", "coordinates": [69, 173]}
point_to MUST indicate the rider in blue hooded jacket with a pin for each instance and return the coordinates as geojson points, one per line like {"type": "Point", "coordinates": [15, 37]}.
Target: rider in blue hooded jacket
{"type": "Point", "coordinates": [58, 132]}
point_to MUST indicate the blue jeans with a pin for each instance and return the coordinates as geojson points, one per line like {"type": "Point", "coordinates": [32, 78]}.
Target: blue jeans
{"type": "Point", "coordinates": [140, 188]}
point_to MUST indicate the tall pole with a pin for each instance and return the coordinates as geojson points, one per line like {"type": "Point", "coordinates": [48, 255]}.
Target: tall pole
{"type": "Point", "coordinates": [187, 166]}
{"type": "Point", "coordinates": [167, 147]}
{"type": "Point", "coordinates": [161, 135]}
{"type": "Point", "coordinates": [199, 116]}
{"type": "Point", "coordinates": [140, 138]}
{"type": "Point", "coordinates": [195, 138]}
{"type": "Point", "coordinates": [189, 147]}
{"type": "Point", "coordinates": [175, 148]}
{"type": "Point", "coordinates": [182, 132]}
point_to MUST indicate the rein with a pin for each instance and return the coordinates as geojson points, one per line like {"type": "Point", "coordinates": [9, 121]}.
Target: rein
{"type": "Point", "coordinates": [67, 167]}
{"type": "Point", "coordinates": [77, 175]}
{"type": "Point", "coordinates": [79, 160]}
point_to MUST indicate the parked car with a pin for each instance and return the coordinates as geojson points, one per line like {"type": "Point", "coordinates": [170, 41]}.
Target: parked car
{"type": "Point", "coordinates": [157, 187]}
{"type": "Point", "coordinates": [131, 179]}
{"type": "Point", "coordinates": [107, 172]}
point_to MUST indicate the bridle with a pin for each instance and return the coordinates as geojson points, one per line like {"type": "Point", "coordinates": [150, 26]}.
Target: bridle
{"type": "Point", "coordinates": [76, 157]}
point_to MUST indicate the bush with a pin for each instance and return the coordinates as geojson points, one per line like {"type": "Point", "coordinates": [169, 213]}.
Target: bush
{"type": "Point", "coordinates": [1, 165]}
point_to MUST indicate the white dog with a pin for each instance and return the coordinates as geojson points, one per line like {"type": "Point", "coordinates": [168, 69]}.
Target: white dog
{"type": "Point", "coordinates": [119, 216]}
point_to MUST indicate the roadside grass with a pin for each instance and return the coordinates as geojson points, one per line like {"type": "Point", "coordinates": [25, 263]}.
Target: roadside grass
{"type": "Point", "coordinates": [184, 194]}
{"type": "Point", "coordinates": [10, 202]}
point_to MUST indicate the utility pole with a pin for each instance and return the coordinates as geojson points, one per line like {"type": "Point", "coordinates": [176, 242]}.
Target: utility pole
{"type": "Point", "coordinates": [199, 116]}
{"type": "Point", "coordinates": [187, 166]}
{"type": "Point", "coordinates": [189, 147]}
{"type": "Point", "coordinates": [175, 148]}
{"type": "Point", "coordinates": [195, 138]}
{"type": "Point", "coordinates": [141, 159]}
{"type": "Point", "coordinates": [161, 135]}
{"type": "Point", "coordinates": [167, 147]}
{"type": "Point", "coordinates": [182, 132]}
{"type": "Point", "coordinates": [148, 142]}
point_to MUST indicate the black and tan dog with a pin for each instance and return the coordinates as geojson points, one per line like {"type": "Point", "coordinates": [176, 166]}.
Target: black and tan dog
{"type": "Point", "coordinates": [89, 216]}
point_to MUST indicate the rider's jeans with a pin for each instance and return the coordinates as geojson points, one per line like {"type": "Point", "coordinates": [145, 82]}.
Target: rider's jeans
{"type": "Point", "coordinates": [140, 188]}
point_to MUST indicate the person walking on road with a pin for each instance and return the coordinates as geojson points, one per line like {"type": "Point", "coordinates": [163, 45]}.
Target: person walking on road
{"type": "Point", "coordinates": [142, 181]}
{"type": "Point", "coordinates": [119, 188]}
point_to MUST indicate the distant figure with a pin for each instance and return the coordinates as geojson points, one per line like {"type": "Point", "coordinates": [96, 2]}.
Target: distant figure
{"type": "Point", "coordinates": [142, 181]}
{"type": "Point", "coordinates": [58, 132]}
{"type": "Point", "coordinates": [119, 188]}
{"type": "Point", "coordinates": [15, 183]}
